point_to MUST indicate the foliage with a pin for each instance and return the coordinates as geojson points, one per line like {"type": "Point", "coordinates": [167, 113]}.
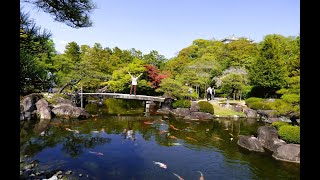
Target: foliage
{"type": "Point", "coordinates": [73, 13]}
{"type": "Point", "coordinates": [268, 71]}
{"type": "Point", "coordinates": [278, 124]}
{"type": "Point", "coordinates": [154, 76]}
{"type": "Point", "coordinates": [260, 105]}
{"type": "Point", "coordinates": [246, 90]}
{"type": "Point", "coordinates": [181, 104]}
{"type": "Point", "coordinates": [284, 108]}
{"type": "Point", "coordinates": [206, 107]}
{"type": "Point", "coordinates": [53, 99]}
{"type": "Point", "coordinates": [289, 133]}
{"type": "Point", "coordinates": [252, 100]}
{"type": "Point", "coordinates": [36, 50]}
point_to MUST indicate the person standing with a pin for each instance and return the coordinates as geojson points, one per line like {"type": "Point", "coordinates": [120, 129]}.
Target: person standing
{"type": "Point", "coordinates": [213, 93]}
{"type": "Point", "coordinates": [209, 93]}
{"type": "Point", "coordinates": [134, 82]}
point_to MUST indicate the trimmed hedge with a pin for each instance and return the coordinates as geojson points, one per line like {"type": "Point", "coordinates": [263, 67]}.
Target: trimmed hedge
{"type": "Point", "coordinates": [289, 133]}
{"type": "Point", "coordinates": [252, 100]}
{"type": "Point", "coordinates": [260, 105]}
{"type": "Point", "coordinates": [206, 107]}
{"type": "Point", "coordinates": [181, 104]}
{"type": "Point", "coordinates": [278, 124]}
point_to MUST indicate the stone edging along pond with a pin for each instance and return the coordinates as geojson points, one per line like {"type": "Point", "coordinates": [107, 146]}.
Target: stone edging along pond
{"type": "Point", "coordinates": [267, 137]}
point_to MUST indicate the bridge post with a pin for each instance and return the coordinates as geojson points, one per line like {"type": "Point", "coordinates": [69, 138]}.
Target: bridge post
{"type": "Point", "coordinates": [81, 97]}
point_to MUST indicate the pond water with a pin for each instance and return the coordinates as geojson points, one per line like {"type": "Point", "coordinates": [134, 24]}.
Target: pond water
{"type": "Point", "coordinates": [120, 142]}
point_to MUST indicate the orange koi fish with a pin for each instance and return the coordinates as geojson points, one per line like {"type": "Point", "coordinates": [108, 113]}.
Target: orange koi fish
{"type": "Point", "coordinates": [173, 127]}
{"type": "Point", "coordinates": [148, 122]}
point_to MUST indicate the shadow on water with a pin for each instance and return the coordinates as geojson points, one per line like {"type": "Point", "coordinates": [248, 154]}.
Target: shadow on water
{"type": "Point", "coordinates": [129, 142]}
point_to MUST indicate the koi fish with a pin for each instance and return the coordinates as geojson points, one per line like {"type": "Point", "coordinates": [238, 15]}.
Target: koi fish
{"type": "Point", "coordinates": [173, 127]}
{"type": "Point", "coordinates": [191, 139]}
{"type": "Point", "coordinates": [162, 132]}
{"type": "Point", "coordinates": [175, 144]}
{"type": "Point", "coordinates": [148, 122]}
{"type": "Point", "coordinates": [96, 153]}
{"type": "Point", "coordinates": [201, 176]}
{"type": "Point", "coordinates": [161, 164]}
{"type": "Point", "coordinates": [180, 178]}
{"type": "Point", "coordinates": [172, 137]}
{"type": "Point", "coordinates": [68, 129]}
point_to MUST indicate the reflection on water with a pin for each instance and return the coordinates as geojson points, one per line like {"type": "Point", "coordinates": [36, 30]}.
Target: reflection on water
{"type": "Point", "coordinates": [120, 146]}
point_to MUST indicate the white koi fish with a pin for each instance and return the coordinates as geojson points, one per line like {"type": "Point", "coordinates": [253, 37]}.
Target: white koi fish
{"type": "Point", "coordinates": [96, 153]}
{"type": "Point", "coordinates": [180, 178]}
{"type": "Point", "coordinates": [201, 176]}
{"type": "Point", "coordinates": [161, 164]}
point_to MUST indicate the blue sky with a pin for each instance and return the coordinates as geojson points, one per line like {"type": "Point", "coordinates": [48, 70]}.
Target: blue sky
{"type": "Point", "coordinates": [168, 26]}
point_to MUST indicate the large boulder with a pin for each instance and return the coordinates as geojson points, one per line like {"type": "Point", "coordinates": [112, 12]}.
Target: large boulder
{"type": "Point", "coordinates": [198, 116]}
{"type": "Point", "coordinates": [288, 152]}
{"type": "Point", "coordinates": [268, 136]}
{"type": "Point", "coordinates": [266, 114]}
{"type": "Point", "coordinates": [164, 111]}
{"type": "Point", "coordinates": [29, 102]}
{"type": "Point", "coordinates": [251, 143]}
{"type": "Point", "coordinates": [181, 112]}
{"type": "Point", "coordinates": [62, 101]}
{"type": "Point", "coordinates": [43, 109]}
{"type": "Point", "coordinates": [167, 104]}
{"type": "Point", "coordinates": [194, 107]}
{"type": "Point", "coordinates": [70, 112]}
{"type": "Point", "coordinates": [250, 113]}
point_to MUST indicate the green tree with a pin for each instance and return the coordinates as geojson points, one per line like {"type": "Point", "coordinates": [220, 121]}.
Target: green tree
{"type": "Point", "coordinates": [73, 13]}
{"type": "Point", "coordinates": [268, 71]}
{"type": "Point", "coordinates": [72, 51]}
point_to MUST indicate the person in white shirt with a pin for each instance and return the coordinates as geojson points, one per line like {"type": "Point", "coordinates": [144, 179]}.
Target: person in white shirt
{"type": "Point", "coordinates": [209, 93]}
{"type": "Point", "coordinates": [134, 82]}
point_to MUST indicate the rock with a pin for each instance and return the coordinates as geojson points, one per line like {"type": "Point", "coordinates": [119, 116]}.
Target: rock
{"type": "Point", "coordinates": [268, 136]}
{"type": "Point", "coordinates": [250, 113]}
{"type": "Point", "coordinates": [194, 107]}
{"type": "Point", "coordinates": [288, 152]}
{"type": "Point", "coordinates": [167, 104]}
{"type": "Point", "coordinates": [164, 111]}
{"type": "Point", "coordinates": [251, 143]}
{"type": "Point", "coordinates": [181, 112]}
{"type": "Point", "coordinates": [199, 116]}
{"type": "Point", "coordinates": [29, 102]}
{"type": "Point", "coordinates": [43, 109]}
{"type": "Point", "coordinates": [70, 112]}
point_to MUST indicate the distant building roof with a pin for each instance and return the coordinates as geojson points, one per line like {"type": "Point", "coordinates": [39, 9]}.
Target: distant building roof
{"type": "Point", "coordinates": [232, 38]}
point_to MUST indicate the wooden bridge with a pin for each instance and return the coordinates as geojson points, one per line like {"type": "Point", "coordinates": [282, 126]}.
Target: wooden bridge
{"type": "Point", "coordinates": [147, 99]}
{"type": "Point", "coordinates": [128, 96]}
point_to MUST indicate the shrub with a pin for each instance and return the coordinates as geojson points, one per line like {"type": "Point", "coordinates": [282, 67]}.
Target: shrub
{"type": "Point", "coordinates": [206, 107]}
{"type": "Point", "coordinates": [252, 100]}
{"type": "Point", "coordinates": [278, 124]}
{"type": "Point", "coordinates": [283, 108]}
{"type": "Point", "coordinates": [246, 92]}
{"type": "Point", "coordinates": [260, 105]}
{"type": "Point", "coordinates": [289, 133]}
{"type": "Point", "coordinates": [181, 104]}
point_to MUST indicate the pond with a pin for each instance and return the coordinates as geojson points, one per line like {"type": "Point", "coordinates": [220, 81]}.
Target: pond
{"type": "Point", "coordinates": [121, 142]}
